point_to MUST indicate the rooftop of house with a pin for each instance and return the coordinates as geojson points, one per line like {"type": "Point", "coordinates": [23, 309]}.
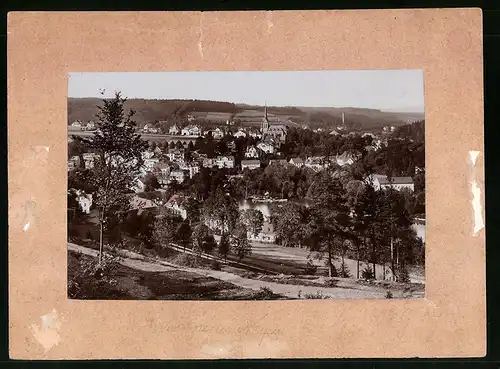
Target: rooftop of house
{"type": "Point", "coordinates": [250, 162]}
{"type": "Point", "coordinates": [137, 202]}
{"type": "Point", "coordinates": [226, 157]}
{"type": "Point", "coordinates": [384, 180]}
{"type": "Point", "coordinates": [175, 200]}
{"type": "Point", "coordinates": [297, 160]}
{"type": "Point", "coordinates": [162, 166]}
{"type": "Point", "coordinates": [278, 161]}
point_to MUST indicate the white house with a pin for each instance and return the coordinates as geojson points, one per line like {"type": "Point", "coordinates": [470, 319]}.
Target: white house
{"type": "Point", "coordinates": [149, 164]}
{"type": "Point", "coordinates": [217, 133]}
{"type": "Point", "coordinates": [191, 168]}
{"type": "Point", "coordinates": [177, 175]}
{"type": "Point", "coordinates": [175, 155]}
{"type": "Point", "coordinates": [76, 125]}
{"type": "Point", "coordinates": [75, 159]}
{"type": "Point", "coordinates": [251, 152]}
{"type": "Point", "coordinates": [250, 164]}
{"type": "Point", "coordinates": [316, 163]}
{"type": "Point", "coordinates": [139, 185]}
{"type": "Point", "coordinates": [174, 130]}
{"type": "Point", "coordinates": [89, 159]}
{"type": "Point", "coordinates": [381, 182]}
{"type": "Point", "coordinates": [240, 133]}
{"type": "Point", "coordinates": [162, 170]}
{"type": "Point", "coordinates": [175, 204]}
{"type": "Point", "coordinates": [346, 158]}
{"type": "Point", "coordinates": [298, 162]}
{"type": "Point", "coordinates": [225, 162]}
{"type": "Point", "coordinates": [277, 131]}
{"type": "Point", "coordinates": [266, 234]}
{"type": "Point", "coordinates": [83, 199]}
{"type": "Point", "coordinates": [266, 146]}
{"type": "Point", "coordinates": [91, 126]}
{"type": "Point", "coordinates": [147, 154]}
{"type": "Point", "coordinates": [145, 129]}
{"type": "Point", "coordinates": [208, 162]}
{"type": "Point", "coordinates": [154, 130]}
{"type": "Point", "coordinates": [191, 130]}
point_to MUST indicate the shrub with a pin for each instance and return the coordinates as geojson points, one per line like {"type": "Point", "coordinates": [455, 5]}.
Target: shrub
{"type": "Point", "coordinates": [367, 273]}
{"type": "Point", "coordinates": [215, 265]}
{"type": "Point", "coordinates": [388, 295]}
{"type": "Point", "coordinates": [94, 280]}
{"type": "Point", "coordinates": [264, 293]}
{"type": "Point", "coordinates": [187, 260]}
{"type": "Point", "coordinates": [316, 296]}
{"type": "Point", "coordinates": [402, 275]}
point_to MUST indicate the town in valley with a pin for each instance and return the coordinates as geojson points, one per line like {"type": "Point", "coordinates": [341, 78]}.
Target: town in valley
{"type": "Point", "coordinates": [216, 200]}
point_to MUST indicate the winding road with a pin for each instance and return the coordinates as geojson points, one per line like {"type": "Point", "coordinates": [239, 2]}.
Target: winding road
{"type": "Point", "coordinates": [139, 262]}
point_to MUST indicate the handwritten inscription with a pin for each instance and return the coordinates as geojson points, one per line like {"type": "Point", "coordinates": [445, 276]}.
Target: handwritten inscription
{"type": "Point", "coordinates": [252, 328]}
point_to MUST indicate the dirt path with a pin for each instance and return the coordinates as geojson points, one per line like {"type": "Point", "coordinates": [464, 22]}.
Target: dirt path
{"type": "Point", "coordinates": [283, 289]}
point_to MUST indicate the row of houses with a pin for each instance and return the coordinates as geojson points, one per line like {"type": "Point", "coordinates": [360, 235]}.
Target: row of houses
{"type": "Point", "coordinates": [79, 125]}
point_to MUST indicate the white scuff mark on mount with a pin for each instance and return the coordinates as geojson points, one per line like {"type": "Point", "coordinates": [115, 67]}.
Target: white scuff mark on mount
{"type": "Point", "coordinates": [26, 226]}
{"type": "Point", "coordinates": [473, 156]}
{"type": "Point", "coordinates": [200, 40]}
{"type": "Point", "coordinates": [270, 23]}
{"type": "Point", "coordinates": [47, 333]}
{"type": "Point", "coordinates": [477, 208]}
{"type": "Point", "coordinates": [218, 350]}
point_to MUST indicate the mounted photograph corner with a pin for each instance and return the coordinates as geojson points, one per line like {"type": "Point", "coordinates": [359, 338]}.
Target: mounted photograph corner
{"type": "Point", "coordinates": [251, 185]}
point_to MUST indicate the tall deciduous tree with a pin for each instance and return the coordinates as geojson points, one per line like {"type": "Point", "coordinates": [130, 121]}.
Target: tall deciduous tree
{"type": "Point", "coordinates": [165, 230]}
{"type": "Point", "coordinates": [119, 149]}
{"type": "Point", "coordinates": [253, 220]}
{"type": "Point", "coordinates": [239, 242]}
{"type": "Point", "coordinates": [203, 239]}
{"type": "Point", "coordinates": [289, 222]}
{"type": "Point", "coordinates": [221, 211]}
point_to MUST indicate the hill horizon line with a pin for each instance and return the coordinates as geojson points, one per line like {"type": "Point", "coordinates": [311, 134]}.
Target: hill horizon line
{"type": "Point", "coordinates": [409, 110]}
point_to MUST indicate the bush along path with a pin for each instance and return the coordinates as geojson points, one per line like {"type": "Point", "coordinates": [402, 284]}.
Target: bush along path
{"type": "Point", "coordinates": [139, 262]}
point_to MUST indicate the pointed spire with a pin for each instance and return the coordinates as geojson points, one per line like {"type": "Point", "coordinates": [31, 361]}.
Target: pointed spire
{"type": "Point", "coordinates": [265, 110]}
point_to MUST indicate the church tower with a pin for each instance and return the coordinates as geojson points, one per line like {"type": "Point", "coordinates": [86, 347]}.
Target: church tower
{"type": "Point", "coordinates": [265, 122]}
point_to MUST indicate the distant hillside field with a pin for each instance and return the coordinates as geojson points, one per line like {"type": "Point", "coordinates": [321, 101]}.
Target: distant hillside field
{"type": "Point", "coordinates": [151, 111]}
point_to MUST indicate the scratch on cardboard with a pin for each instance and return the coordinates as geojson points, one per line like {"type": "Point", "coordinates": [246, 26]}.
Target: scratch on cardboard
{"type": "Point", "coordinates": [200, 39]}
{"type": "Point", "coordinates": [47, 333]}
{"type": "Point", "coordinates": [270, 24]}
{"type": "Point", "coordinates": [477, 208]}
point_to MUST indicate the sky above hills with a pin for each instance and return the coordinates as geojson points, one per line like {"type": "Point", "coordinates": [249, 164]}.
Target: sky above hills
{"type": "Point", "coordinates": [390, 90]}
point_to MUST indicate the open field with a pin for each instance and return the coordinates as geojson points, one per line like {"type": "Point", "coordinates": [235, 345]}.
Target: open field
{"type": "Point", "coordinates": [144, 136]}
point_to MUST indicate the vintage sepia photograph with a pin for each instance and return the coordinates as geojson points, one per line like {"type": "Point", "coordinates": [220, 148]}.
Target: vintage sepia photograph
{"type": "Point", "coordinates": [251, 185]}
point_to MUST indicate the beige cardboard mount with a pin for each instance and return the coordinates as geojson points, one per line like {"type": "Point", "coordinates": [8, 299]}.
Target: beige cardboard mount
{"type": "Point", "coordinates": [44, 47]}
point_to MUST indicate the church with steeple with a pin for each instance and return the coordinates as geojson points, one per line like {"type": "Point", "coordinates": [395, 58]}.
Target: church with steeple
{"type": "Point", "coordinates": [272, 131]}
{"type": "Point", "coordinates": [265, 122]}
